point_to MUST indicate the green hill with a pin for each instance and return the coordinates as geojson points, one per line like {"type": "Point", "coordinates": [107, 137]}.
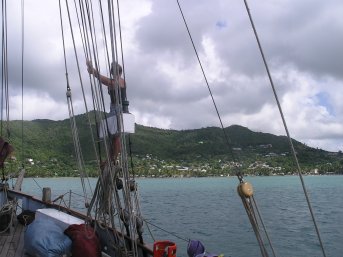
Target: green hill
{"type": "Point", "coordinates": [50, 146]}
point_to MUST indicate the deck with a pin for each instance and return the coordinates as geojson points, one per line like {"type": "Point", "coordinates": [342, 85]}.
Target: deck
{"type": "Point", "coordinates": [12, 243]}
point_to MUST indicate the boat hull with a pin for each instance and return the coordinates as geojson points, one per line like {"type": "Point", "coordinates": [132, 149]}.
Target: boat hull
{"type": "Point", "coordinates": [110, 243]}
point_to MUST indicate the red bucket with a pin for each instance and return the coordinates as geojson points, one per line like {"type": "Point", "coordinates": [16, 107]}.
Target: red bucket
{"type": "Point", "coordinates": [164, 249]}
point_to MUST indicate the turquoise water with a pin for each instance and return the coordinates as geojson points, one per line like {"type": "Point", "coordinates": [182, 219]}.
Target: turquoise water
{"type": "Point", "coordinates": [209, 209]}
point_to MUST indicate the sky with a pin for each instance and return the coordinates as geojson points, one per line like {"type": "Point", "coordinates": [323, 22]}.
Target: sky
{"type": "Point", "coordinates": [302, 43]}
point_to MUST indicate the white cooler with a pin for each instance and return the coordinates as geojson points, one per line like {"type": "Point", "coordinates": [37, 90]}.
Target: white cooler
{"type": "Point", "coordinates": [63, 220]}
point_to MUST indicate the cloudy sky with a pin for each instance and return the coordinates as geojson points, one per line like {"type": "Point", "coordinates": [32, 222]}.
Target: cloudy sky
{"type": "Point", "coordinates": [302, 41]}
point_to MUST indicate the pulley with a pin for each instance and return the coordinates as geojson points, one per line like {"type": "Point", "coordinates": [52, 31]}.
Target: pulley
{"type": "Point", "coordinates": [245, 189]}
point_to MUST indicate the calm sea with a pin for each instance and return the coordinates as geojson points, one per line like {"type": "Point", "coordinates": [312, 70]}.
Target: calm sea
{"type": "Point", "coordinates": [209, 209]}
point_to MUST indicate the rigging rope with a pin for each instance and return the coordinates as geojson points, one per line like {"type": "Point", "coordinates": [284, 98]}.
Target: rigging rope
{"type": "Point", "coordinates": [97, 95]}
{"type": "Point", "coordinates": [286, 129]}
{"type": "Point", "coordinates": [245, 191]}
{"type": "Point", "coordinates": [4, 70]}
{"type": "Point", "coordinates": [4, 74]}
{"type": "Point", "coordinates": [129, 208]}
{"type": "Point", "coordinates": [22, 81]}
{"type": "Point", "coordinates": [106, 200]}
{"type": "Point", "coordinates": [227, 139]}
{"type": "Point", "coordinates": [249, 208]}
{"type": "Point", "coordinates": [162, 229]}
{"type": "Point", "coordinates": [77, 146]}
{"type": "Point", "coordinates": [102, 181]}
{"type": "Point", "coordinates": [80, 79]}
{"type": "Point", "coordinates": [8, 208]}
{"type": "Point", "coordinates": [96, 191]}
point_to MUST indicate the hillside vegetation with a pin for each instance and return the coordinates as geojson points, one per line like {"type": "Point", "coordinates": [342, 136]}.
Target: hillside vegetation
{"type": "Point", "coordinates": [48, 150]}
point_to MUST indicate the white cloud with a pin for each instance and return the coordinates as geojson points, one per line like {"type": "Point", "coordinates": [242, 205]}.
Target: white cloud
{"type": "Point", "coordinates": [37, 107]}
{"type": "Point", "coordinates": [301, 40]}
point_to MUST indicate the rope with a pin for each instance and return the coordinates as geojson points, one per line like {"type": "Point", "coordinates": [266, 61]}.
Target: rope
{"type": "Point", "coordinates": [7, 208]}
{"type": "Point", "coordinates": [3, 59]}
{"type": "Point", "coordinates": [22, 82]}
{"type": "Point", "coordinates": [37, 183]}
{"type": "Point", "coordinates": [76, 141]}
{"type": "Point", "coordinates": [106, 201]}
{"type": "Point", "coordinates": [87, 42]}
{"type": "Point", "coordinates": [97, 95]}
{"type": "Point", "coordinates": [131, 157]}
{"type": "Point", "coordinates": [227, 139]}
{"type": "Point", "coordinates": [247, 204]}
{"type": "Point", "coordinates": [254, 223]}
{"type": "Point", "coordinates": [5, 80]}
{"type": "Point", "coordinates": [286, 129]}
{"type": "Point", "coordinates": [81, 83]}
{"type": "Point", "coordinates": [264, 227]}
{"type": "Point", "coordinates": [126, 178]}
{"type": "Point", "coordinates": [164, 230]}
{"type": "Point", "coordinates": [4, 70]}
{"type": "Point", "coordinates": [96, 202]}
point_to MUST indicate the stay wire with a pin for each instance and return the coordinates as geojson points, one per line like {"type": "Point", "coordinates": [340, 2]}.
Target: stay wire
{"type": "Point", "coordinates": [123, 141]}
{"type": "Point", "coordinates": [85, 49]}
{"type": "Point", "coordinates": [121, 41]}
{"type": "Point", "coordinates": [253, 220]}
{"type": "Point", "coordinates": [126, 192]}
{"type": "Point", "coordinates": [81, 83]}
{"type": "Point", "coordinates": [90, 46]}
{"type": "Point", "coordinates": [95, 48]}
{"type": "Point", "coordinates": [131, 158]}
{"type": "Point", "coordinates": [81, 34]}
{"type": "Point", "coordinates": [2, 60]}
{"type": "Point", "coordinates": [63, 44]}
{"type": "Point", "coordinates": [4, 65]}
{"type": "Point", "coordinates": [91, 43]}
{"type": "Point", "coordinates": [264, 227]}
{"type": "Point", "coordinates": [7, 99]}
{"type": "Point", "coordinates": [106, 54]}
{"type": "Point", "coordinates": [74, 129]}
{"type": "Point", "coordinates": [97, 90]}
{"type": "Point", "coordinates": [4, 72]}
{"type": "Point", "coordinates": [164, 230]}
{"type": "Point", "coordinates": [82, 87]}
{"type": "Point", "coordinates": [286, 129]}
{"type": "Point", "coordinates": [124, 76]}
{"type": "Point", "coordinates": [91, 24]}
{"type": "Point", "coordinates": [22, 81]}
{"type": "Point", "coordinates": [116, 198]}
{"type": "Point", "coordinates": [97, 103]}
{"type": "Point", "coordinates": [227, 139]}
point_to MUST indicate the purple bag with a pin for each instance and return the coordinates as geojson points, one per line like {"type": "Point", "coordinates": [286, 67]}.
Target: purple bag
{"type": "Point", "coordinates": [194, 248]}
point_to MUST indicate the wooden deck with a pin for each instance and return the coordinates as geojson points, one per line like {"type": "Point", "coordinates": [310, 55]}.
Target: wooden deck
{"type": "Point", "coordinates": [12, 243]}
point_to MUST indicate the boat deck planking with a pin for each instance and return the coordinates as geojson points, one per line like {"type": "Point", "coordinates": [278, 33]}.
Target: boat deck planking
{"type": "Point", "coordinates": [12, 242]}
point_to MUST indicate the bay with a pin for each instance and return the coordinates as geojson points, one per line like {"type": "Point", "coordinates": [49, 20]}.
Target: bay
{"type": "Point", "coordinates": [209, 210]}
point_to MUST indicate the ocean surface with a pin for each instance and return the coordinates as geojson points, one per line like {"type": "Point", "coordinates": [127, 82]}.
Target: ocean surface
{"type": "Point", "coordinates": [209, 209]}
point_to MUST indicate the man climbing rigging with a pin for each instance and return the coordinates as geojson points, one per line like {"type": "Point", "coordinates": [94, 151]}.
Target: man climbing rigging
{"type": "Point", "coordinates": [112, 85]}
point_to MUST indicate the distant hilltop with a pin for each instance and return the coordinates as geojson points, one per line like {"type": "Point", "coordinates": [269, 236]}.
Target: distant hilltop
{"type": "Point", "coordinates": [47, 140]}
